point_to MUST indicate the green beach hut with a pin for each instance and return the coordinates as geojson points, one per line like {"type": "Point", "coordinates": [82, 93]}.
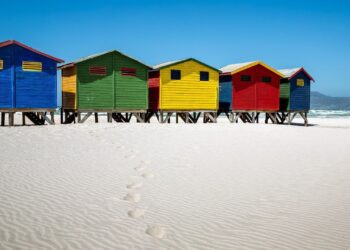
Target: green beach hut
{"type": "Point", "coordinates": [109, 82]}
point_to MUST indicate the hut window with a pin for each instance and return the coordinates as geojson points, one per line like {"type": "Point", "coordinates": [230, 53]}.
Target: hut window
{"type": "Point", "coordinates": [98, 70]}
{"type": "Point", "coordinates": [1, 64]}
{"type": "Point", "coordinates": [175, 74]}
{"type": "Point", "coordinates": [284, 80]}
{"type": "Point", "coordinates": [246, 78]}
{"type": "Point", "coordinates": [266, 79]}
{"type": "Point", "coordinates": [32, 66]}
{"type": "Point", "coordinates": [128, 71]}
{"type": "Point", "coordinates": [300, 82]}
{"type": "Point", "coordinates": [204, 75]}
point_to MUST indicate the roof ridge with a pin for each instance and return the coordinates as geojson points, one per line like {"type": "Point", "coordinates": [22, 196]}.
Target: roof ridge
{"type": "Point", "coordinates": [11, 42]}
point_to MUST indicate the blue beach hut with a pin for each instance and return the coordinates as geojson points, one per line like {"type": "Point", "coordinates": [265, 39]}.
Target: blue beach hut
{"type": "Point", "coordinates": [295, 90]}
{"type": "Point", "coordinates": [28, 82]}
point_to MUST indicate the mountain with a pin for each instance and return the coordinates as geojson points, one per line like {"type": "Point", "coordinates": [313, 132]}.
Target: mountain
{"type": "Point", "coordinates": [323, 102]}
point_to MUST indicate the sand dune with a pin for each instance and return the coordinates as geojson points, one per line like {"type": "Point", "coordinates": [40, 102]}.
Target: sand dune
{"type": "Point", "coordinates": [175, 186]}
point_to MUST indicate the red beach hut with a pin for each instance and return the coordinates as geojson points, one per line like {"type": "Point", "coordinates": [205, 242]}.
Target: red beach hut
{"type": "Point", "coordinates": [255, 86]}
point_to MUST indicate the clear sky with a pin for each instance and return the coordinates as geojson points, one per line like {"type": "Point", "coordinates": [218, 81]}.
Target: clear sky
{"type": "Point", "coordinates": [284, 34]}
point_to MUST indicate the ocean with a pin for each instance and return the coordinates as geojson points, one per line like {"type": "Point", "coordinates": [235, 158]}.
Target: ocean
{"type": "Point", "coordinates": [329, 113]}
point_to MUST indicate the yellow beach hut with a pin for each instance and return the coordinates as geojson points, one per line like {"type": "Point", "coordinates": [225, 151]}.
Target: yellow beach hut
{"type": "Point", "coordinates": [185, 87]}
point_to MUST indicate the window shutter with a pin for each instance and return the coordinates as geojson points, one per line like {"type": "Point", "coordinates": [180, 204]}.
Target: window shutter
{"type": "Point", "coordinates": [128, 71]}
{"type": "Point", "coordinates": [32, 66]}
{"type": "Point", "coordinates": [98, 70]}
{"type": "Point", "coordinates": [300, 82]}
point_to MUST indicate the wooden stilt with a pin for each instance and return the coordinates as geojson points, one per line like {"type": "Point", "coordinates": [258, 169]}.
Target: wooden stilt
{"type": "Point", "coordinates": [109, 117]}
{"type": "Point", "coordinates": [61, 116]}
{"type": "Point", "coordinates": [23, 119]}
{"type": "Point", "coordinates": [96, 117]}
{"type": "Point", "coordinates": [52, 114]}
{"type": "Point", "coordinates": [2, 119]}
{"type": "Point", "coordinates": [11, 119]}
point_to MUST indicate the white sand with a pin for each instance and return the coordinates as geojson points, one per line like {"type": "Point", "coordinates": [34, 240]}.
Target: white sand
{"type": "Point", "coordinates": [175, 186]}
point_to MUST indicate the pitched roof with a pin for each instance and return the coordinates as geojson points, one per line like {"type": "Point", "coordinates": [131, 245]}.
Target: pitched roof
{"type": "Point", "coordinates": [290, 73]}
{"type": "Point", "coordinates": [238, 67]}
{"type": "Point", "coordinates": [11, 42]}
{"type": "Point", "coordinates": [97, 55]}
{"type": "Point", "coordinates": [171, 63]}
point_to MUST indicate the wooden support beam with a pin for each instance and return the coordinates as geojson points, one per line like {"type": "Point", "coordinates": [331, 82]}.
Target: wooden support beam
{"type": "Point", "coordinates": [23, 119]}
{"type": "Point", "coordinates": [96, 117]}
{"type": "Point", "coordinates": [293, 116]}
{"type": "Point", "coordinates": [237, 116]}
{"type": "Point", "coordinates": [87, 115]}
{"type": "Point", "coordinates": [139, 117]}
{"type": "Point", "coordinates": [47, 119]}
{"type": "Point", "coordinates": [272, 116]}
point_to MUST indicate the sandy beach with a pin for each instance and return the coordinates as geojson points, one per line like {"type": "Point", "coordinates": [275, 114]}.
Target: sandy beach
{"type": "Point", "coordinates": [175, 186]}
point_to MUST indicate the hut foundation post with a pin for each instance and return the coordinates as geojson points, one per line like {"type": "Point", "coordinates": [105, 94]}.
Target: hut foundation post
{"type": "Point", "coordinates": [161, 117]}
{"type": "Point", "coordinates": [304, 116]}
{"type": "Point", "coordinates": [23, 119]}
{"type": "Point", "coordinates": [96, 117]}
{"type": "Point", "coordinates": [231, 116]}
{"type": "Point", "coordinates": [61, 116]}
{"type": "Point", "coordinates": [11, 118]}
{"type": "Point", "coordinates": [2, 119]}
{"type": "Point", "coordinates": [257, 117]}
{"type": "Point", "coordinates": [253, 117]}
{"type": "Point", "coordinates": [109, 117]}
{"type": "Point", "coordinates": [289, 118]}
{"type": "Point", "coordinates": [52, 114]}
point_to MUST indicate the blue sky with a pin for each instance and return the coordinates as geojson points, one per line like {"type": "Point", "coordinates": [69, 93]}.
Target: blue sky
{"type": "Point", "coordinates": [309, 33]}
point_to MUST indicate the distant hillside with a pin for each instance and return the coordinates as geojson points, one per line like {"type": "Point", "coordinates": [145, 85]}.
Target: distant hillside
{"type": "Point", "coordinates": [324, 102]}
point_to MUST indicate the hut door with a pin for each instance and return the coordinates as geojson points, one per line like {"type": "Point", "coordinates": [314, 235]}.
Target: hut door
{"type": "Point", "coordinates": [266, 96]}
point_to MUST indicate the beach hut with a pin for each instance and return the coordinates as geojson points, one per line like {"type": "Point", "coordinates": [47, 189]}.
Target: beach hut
{"type": "Point", "coordinates": [109, 82]}
{"type": "Point", "coordinates": [294, 94]}
{"type": "Point", "coordinates": [186, 87]}
{"type": "Point", "coordinates": [255, 89]}
{"type": "Point", "coordinates": [28, 83]}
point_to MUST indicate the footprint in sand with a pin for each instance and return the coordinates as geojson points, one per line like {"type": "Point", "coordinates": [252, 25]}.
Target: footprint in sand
{"type": "Point", "coordinates": [136, 184]}
{"type": "Point", "coordinates": [156, 231]}
{"type": "Point", "coordinates": [139, 169]}
{"type": "Point", "coordinates": [147, 175]}
{"type": "Point", "coordinates": [146, 162]}
{"type": "Point", "coordinates": [136, 213]}
{"type": "Point", "coordinates": [132, 197]}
